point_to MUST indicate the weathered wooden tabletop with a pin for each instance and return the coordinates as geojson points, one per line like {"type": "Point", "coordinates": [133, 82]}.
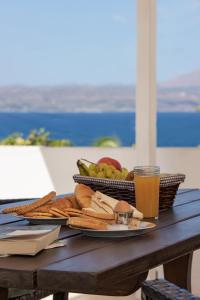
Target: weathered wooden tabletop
{"type": "Point", "coordinates": [111, 266]}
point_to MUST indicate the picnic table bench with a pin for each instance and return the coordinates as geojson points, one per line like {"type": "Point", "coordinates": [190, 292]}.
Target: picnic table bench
{"type": "Point", "coordinates": [113, 267]}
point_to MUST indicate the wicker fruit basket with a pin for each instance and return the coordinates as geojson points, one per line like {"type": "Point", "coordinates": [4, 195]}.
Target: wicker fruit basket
{"type": "Point", "coordinates": [125, 190]}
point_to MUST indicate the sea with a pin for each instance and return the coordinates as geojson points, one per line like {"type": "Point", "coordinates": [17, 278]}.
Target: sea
{"type": "Point", "coordinates": [174, 129]}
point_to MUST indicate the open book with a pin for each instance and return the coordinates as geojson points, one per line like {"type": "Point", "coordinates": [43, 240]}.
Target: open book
{"type": "Point", "coordinates": [27, 240]}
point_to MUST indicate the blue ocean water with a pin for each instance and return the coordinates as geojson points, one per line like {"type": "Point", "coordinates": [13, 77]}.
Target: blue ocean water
{"type": "Point", "coordinates": [174, 129]}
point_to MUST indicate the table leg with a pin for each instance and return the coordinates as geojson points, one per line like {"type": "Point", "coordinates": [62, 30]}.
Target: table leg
{"type": "Point", "coordinates": [60, 296]}
{"type": "Point", "coordinates": [178, 271]}
{"type": "Point", "coordinates": [3, 293]}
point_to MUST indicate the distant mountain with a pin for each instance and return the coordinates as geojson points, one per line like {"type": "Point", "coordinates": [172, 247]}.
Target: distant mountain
{"type": "Point", "coordinates": [67, 98]}
{"type": "Point", "coordinates": [181, 94]}
{"type": "Point", "coordinates": [186, 80]}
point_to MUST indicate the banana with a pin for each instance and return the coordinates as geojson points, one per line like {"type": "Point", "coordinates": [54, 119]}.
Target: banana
{"type": "Point", "coordinates": [83, 169]}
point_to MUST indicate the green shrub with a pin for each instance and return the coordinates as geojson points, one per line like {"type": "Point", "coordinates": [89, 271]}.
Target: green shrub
{"type": "Point", "coordinates": [36, 137]}
{"type": "Point", "coordinates": [107, 141]}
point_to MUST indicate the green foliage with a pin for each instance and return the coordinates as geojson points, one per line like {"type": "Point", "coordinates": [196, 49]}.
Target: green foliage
{"type": "Point", "coordinates": [60, 143]}
{"type": "Point", "coordinates": [13, 139]}
{"type": "Point", "coordinates": [41, 137]}
{"type": "Point", "coordinates": [107, 141]}
{"type": "Point", "coordinates": [36, 137]}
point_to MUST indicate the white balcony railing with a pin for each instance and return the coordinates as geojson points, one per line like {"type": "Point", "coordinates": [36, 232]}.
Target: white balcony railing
{"type": "Point", "coordinates": [34, 171]}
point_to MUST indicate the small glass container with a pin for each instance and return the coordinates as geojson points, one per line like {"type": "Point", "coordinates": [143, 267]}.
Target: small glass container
{"type": "Point", "coordinates": [147, 185]}
{"type": "Point", "coordinates": [123, 217]}
{"type": "Point", "coordinates": [123, 213]}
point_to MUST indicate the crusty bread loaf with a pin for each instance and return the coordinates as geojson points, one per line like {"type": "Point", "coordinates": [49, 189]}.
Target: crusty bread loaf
{"type": "Point", "coordinates": [83, 194]}
{"type": "Point", "coordinates": [87, 223]}
{"type": "Point", "coordinates": [62, 203]}
{"type": "Point", "coordinates": [74, 202]}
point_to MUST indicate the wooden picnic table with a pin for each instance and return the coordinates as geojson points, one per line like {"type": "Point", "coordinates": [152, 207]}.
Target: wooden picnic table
{"type": "Point", "coordinates": [110, 266]}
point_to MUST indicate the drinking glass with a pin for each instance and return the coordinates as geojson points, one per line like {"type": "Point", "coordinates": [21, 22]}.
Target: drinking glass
{"type": "Point", "coordinates": [147, 185]}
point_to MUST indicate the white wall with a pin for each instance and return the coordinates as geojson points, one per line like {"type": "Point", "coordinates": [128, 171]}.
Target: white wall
{"type": "Point", "coordinates": [33, 171]}
{"type": "Point", "coordinates": [61, 162]}
{"type": "Point", "coordinates": [183, 160]}
{"type": "Point", "coordinates": [23, 173]}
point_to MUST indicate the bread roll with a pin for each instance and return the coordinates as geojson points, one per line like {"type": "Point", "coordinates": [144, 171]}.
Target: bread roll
{"type": "Point", "coordinates": [123, 207]}
{"type": "Point", "coordinates": [62, 203]}
{"type": "Point", "coordinates": [74, 202]}
{"type": "Point", "coordinates": [83, 194]}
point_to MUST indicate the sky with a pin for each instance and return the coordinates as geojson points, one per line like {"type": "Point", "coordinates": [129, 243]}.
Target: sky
{"type": "Point", "coordinates": [52, 42]}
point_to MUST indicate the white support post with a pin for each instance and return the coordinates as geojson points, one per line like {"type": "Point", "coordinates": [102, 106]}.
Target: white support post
{"type": "Point", "coordinates": [146, 103]}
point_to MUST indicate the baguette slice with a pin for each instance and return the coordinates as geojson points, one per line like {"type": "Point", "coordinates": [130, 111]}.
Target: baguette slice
{"type": "Point", "coordinates": [136, 213]}
{"type": "Point", "coordinates": [111, 202]}
{"type": "Point", "coordinates": [110, 222]}
{"type": "Point", "coordinates": [134, 223]}
{"type": "Point", "coordinates": [106, 201]}
{"type": "Point", "coordinates": [93, 213]}
{"type": "Point", "coordinates": [87, 223]}
{"type": "Point", "coordinates": [97, 206]}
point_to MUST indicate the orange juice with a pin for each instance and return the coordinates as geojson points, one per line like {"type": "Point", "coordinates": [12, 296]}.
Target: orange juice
{"type": "Point", "coordinates": [147, 194]}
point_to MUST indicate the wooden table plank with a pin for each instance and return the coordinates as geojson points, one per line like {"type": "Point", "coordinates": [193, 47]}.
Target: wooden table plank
{"type": "Point", "coordinates": [6, 219]}
{"type": "Point", "coordinates": [80, 244]}
{"type": "Point", "coordinates": [167, 218]}
{"type": "Point", "coordinates": [12, 201]}
{"type": "Point", "coordinates": [99, 269]}
{"type": "Point", "coordinates": [27, 267]}
{"type": "Point", "coordinates": [188, 197]}
{"type": "Point", "coordinates": [183, 191]}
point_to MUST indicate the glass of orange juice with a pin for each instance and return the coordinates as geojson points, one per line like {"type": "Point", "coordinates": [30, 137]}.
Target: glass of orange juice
{"type": "Point", "coordinates": [147, 185]}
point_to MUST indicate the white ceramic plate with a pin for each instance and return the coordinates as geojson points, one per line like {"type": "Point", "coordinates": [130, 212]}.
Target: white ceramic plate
{"type": "Point", "coordinates": [117, 231]}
